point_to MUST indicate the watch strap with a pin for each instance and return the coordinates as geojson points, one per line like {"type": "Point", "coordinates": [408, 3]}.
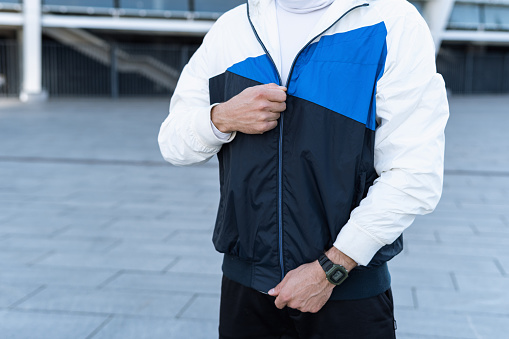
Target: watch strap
{"type": "Point", "coordinates": [325, 262]}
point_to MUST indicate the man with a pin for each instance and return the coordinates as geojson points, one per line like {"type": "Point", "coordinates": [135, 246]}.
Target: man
{"type": "Point", "coordinates": [328, 121]}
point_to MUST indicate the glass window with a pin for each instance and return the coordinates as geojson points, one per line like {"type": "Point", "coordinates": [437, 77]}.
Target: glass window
{"type": "Point", "coordinates": [162, 5]}
{"type": "Point", "coordinates": [80, 3]}
{"type": "Point", "coordinates": [216, 5]}
{"type": "Point", "coordinates": [465, 16]}
{"type": "Point", "coordinates": [10, 1]}
{"type": "Point", "coordinates": [496, 17]}
{"type": "Point", "coordinates": [212, 6]}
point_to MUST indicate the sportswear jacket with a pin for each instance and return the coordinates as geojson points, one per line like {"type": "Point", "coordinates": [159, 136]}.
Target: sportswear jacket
{"type": "Point", "coordinates": [357, 154]}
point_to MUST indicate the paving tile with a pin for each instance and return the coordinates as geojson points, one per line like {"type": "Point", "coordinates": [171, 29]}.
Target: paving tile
{"type": "Point", "coordinates": [35, 222]}
{"type": "Point", "coordinates": [107, 301]}
{"type": "Point", "coordinates": [168, 223]}
{"type": "Point", "coordinates": [433, 324]}
{"type": "Point", "coordinates": [108, 260]}
{"type": "Point", "coordinates": [499, 240]}
{"type": "Point", "coordinates": [5, 216]}
{"type": "Point", "coordinates": [18, 209]}
{"type": "Point", "coordinates": [193, 238]}
{"type": "Point", "coordinates": [455, 250]}
{"type": "Point", "coordinates": [501, 208]}
{"type": "Point", "coordinates": [20, 257]}
{"type": "Point", "coordinates": [474, 213]}
{"type": "Point", "coordinates": [59, 276]}
{"type": "Point", "coordinates": [203, 307]}
{"type": "Point", "coordinates": [474, 283]}
{"type": "Point", "coordinates": [26, 213]}
{"type": "Point", "coordinates": [32, 229]}
{"type": "Point", "coordinates": [137, 223]}
{"type": "Point", "coordinates": [209, 264]}
{"type": "Point", "coordinates": [25, 325]}
{"type": "Point", "coordinates": [403, 297]}
{"type": "Point", "coordinates": [12, 293]}
{"type": "Point", "coordinates": [173, 282]}
{"type": "Point", "coordinates": [503, 261]}
{"type": "Point", "coordinates": [484, 302]}
{"type": "Point", "coordinates": [490, 326]}
{"type": "Point", "coordinates": [451, 226]}
{"type": "Point", "coordinates": [139, 233]}
{"type": "Point", "coordinates": [450, 263]}
{"type": "Point", "coordinates": [403, 335]}
{"type": "Point", "coordinates": [63, 244]}
{"type": "Point", "coordinates": [133, 328]}
{"type": "Point", "coordinates": [32, 196]}
{"type": "Point", "coordinates": [426, 237]}
{"type": "Point", "coordinates": [417, 277]}
{"type": "Point", "coordinates": [134, 246]}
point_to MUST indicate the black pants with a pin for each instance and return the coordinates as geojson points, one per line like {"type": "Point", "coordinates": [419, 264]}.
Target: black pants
{"type": "Point", "coordinates": [249, 314]}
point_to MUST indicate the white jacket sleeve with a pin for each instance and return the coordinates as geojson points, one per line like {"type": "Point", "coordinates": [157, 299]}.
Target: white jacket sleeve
{"type": "Point", "coordinates": [412, 112]}
{"type": "Point", "coordinates": [186, 136]}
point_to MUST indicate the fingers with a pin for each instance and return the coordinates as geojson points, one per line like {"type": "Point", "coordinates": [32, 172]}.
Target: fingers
{"type": "Point", "coordinates": [277, 107]}
{"type": "Point", "coordinates": [282, 298]}
{"type": "Point", "coordinates": [271, 92]}
{"type": "Point", "coordinates": [276, 290]}
{"type": "Point", "coordinates": [275, 94]}
{"type": "Point", "coordinates": [280, 302]}
{"type": "Point", "coordinates": [256, 109]}
{"type": "Point", "coordinates": [271, 106]}
{"type": "Point", "coordinates": [275, 86]}
{"type": "Point", "coordinates": [270, 125]}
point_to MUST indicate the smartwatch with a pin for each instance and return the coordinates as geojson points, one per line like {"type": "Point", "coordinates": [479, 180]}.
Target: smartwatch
{"type": "Point", "coordinates": [335, 274]}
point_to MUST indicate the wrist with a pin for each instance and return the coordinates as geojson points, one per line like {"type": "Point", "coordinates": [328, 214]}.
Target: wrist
{"type": "Point", "coordinates": [217, 116]}
{"type": "Point", "coordinates": [339, 258]}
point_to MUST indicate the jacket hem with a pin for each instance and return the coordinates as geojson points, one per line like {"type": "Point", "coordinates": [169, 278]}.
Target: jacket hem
{"type": "Point", "coordinates": [361, 283]}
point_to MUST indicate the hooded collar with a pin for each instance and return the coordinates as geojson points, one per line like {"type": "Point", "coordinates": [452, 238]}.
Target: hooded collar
{"type": "Point", "coordinates": [263, 16]}
{"type": "Point", "coordinates": [303, 6]}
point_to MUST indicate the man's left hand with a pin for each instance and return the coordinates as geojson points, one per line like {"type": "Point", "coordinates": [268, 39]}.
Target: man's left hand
{"type": "Point", "coordinates": [306, 288]}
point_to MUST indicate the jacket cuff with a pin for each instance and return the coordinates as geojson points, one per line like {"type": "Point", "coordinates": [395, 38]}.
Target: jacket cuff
{"type": "Point", "coordinates": [357, 243]}
{"type": "Point", "coordinates": [203, 129]}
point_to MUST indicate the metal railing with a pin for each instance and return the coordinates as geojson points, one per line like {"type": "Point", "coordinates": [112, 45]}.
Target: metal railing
{"type": "Point", "coordinates": [9, 68]}
{"type": "Point", "coordinates": [474, 72]}
{"type": "Point", "coordinates": [67, 71]}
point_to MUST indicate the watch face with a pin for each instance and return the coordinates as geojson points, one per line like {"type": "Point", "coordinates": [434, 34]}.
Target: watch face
{"type": "Point", "coordinates": [337, 276]}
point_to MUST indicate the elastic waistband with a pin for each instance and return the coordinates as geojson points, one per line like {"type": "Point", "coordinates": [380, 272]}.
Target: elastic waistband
{"type": "Point", "coordinates": [362, 282]}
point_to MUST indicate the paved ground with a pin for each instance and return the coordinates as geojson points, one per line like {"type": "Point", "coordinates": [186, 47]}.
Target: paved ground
{"type": "Point", "coordinates": [100, 239]}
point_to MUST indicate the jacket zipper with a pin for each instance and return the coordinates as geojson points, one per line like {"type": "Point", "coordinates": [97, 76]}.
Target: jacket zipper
{"type": "Point", "coordinates": [281, 122]}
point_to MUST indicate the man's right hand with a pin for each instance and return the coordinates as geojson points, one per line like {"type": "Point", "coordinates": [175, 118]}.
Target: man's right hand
{"type": "Point", "coordinates": [254, 111]}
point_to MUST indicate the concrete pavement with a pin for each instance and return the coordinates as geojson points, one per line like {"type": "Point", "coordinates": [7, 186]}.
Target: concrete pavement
{"type": "Point", "coordinates": [99, 238]}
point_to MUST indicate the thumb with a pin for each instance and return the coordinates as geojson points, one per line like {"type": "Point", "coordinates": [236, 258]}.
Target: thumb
{"type": "Point", "coordinates": [276, 290]}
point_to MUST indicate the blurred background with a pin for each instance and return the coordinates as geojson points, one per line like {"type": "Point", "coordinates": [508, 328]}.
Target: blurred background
{"type": "Point", "coordinates": [100, 238]}
{"type": "Point", "coordinates": [138, 47]}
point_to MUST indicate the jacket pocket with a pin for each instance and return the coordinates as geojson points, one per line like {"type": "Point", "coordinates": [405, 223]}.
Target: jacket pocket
{"type": "Point", "coordinates": [226, 233]}
{"type": "Point", "coordinates": [386, 300]}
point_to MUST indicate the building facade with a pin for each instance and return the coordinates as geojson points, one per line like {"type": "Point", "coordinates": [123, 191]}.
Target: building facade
{"type": "Point", "coordinates": [138, 47]}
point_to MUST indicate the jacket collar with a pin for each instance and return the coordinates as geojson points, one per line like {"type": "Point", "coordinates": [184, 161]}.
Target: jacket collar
{"type": "Point", "coordinates": [262, 14]}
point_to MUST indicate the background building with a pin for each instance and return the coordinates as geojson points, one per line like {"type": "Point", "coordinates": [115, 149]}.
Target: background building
{"type": "Point", "coordinates": [138, 47]}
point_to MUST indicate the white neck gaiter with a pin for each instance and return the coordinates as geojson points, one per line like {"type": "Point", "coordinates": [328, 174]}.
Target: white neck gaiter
{"type": "Point", "coordinates": [303, 6]}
